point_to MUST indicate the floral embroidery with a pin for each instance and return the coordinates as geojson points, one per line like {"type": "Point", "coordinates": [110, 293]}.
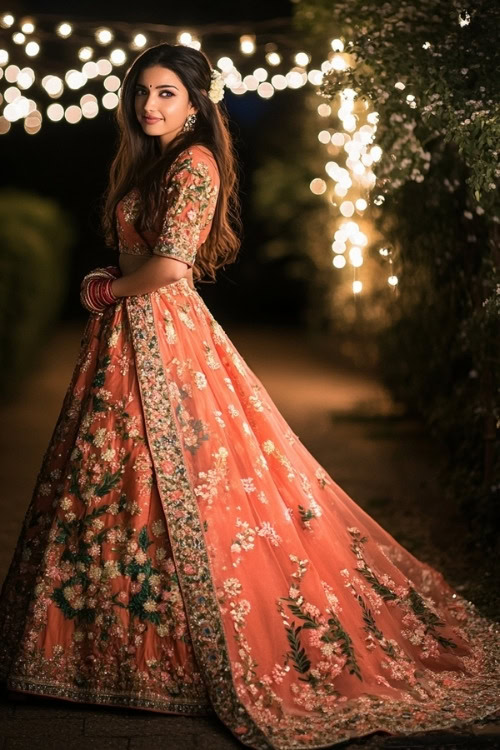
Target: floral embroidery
{"type": "Point", "coordinates": [126, 587]}
{"type": "Point", "coordinates": [193, 194]}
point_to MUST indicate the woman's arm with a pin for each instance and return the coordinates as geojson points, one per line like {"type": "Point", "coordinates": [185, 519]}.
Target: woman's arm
{"type": "Point", "coordinates": [156, 272]}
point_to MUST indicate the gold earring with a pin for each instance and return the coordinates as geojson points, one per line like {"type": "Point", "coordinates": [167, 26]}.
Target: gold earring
{"type": "Point", "coordinates": [190, 121]}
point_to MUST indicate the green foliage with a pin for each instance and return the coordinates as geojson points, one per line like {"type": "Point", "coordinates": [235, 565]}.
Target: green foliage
{"type": "Point", "coordinates": [35, 235]}
{"type": "Point", "coordinates": [431, 70]}
{"type": "Point", "coordinates": [445, 59]}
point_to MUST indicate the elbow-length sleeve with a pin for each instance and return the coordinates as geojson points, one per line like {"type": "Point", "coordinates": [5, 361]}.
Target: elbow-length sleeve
{"type": "Point", "coordinates": [191, 199]}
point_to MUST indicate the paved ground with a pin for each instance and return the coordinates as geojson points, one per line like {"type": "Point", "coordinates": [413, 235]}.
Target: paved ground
{"type": "Point", "coordinates": [385, 462]}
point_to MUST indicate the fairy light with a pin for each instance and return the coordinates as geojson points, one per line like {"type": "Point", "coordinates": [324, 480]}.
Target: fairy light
{"type": "Point", "coordinates": [339, 261]}
{"type": "Point", "coordinates": [361, 204]}
{"type": "Point", "coordinates": [273, 58]}
{"type": "Point", "coordinates": [260, 74]}
{"type": "Point", "coordinates": [91, 69]}
{"type": "Point", "coordinates": [85, 53]}
{"type": "Point", "coordinates": [32, 49]}
{"type": "Point", "coordinates": [302, 58]}
{"type": "Point", "coordinates": [27, 27]}
{"type": "Point", "coordinates": [392, 280]}
{"type": "Point", "coordinates": [18, 37]}
{"type": "Point", "coordinates": [73, 114]}
{"type": "Point", "coordinates": [7, 20]}
{"type": "Point", "coordinates": [139, 41]}
{"type": "Point", "coordinates": [357, 286]}
{"type": "Point", "coordinates": [317, 186]}
{"type": "Point", "coordinates": [112, 83]}
{"type": "Point", "coordinates": [337, 45]}
{"type": "Point", "coordinates": [4, 57]}
{"type": "Point", "coordinates": [110, 100]}
{"type": "Point", "coordinates": [55, 112]}
{"type": "Point", "coordinates": [104, 36]}
{"type": "Point", "coordinates": [247, 44]}
{"type": "Point", "coordinates": [279, 82]}
{"type": "Point", "coordinates": [64, 30]}
{"type": "Point", "coordinates": [265, 90]}
{"type": "Point", "coordinates": [118, 56]}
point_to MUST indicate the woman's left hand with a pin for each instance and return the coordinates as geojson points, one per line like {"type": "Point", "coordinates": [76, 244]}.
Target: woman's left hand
{"type": "Point", "coordinates": [95, 289]}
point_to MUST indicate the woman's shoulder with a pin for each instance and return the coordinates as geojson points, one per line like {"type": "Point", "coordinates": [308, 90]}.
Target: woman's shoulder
{"type": "Point", "coordinates": [196, 153]}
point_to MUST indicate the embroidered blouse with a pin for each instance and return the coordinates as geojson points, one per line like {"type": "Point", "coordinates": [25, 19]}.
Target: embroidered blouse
{"type": "Point", "coordinates": [192, 197]}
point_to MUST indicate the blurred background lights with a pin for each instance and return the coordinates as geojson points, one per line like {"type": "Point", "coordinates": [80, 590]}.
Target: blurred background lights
{"type": "Point", "coordinates": [64, 30]}
{"type": "Point", "coordinates": [112, 83]}
{"type": "Point", "coordinates": [18, 38]}
{"type": "Point", "coordinates": [139, 41]}
{"type": "Point", "coordinates": [273, 58]}
{"type": "Point", "coordinates": [55, 112]}
{"type": "Point", "coordinates": [279, 82]}
{"type": "Point", "coordinates": [260, 74]}
{"type": "Point", "coordinates": [73, 114]}
{"type": "Point", "coordinates": [338, 63]}
{"type": "Point", "coordinates": [27, 27]}
{"type": "Point", "coordinates": [392, 280]}
{"type": "Point", "coordinates": [324, 110]}
{"type": "Point", "coordinates": [91, 69]}
{"type": "Point", "coordinates": [118, 56]}
{"type": "Point", "coordinates": [339, 261]}
{"type": "Point", "coordinates": [4, 57]}
{"type": "Point", "coordinates": [110, 100]}
{"type": "Point", "coordinates": [302, 58]}
{"type": "Point", "coordinates": [104, 35]}
{"type": "Point", "coordinates": [85, 53]}
{"type": "Point", "coordinates": [32, 49]}
{"type": "Point", "coordinates": [75, 79]}
{"type": "Point", "coordinates": [357, 286]}
{"type": "Point", "coordinates": [225, 64]}
{"type": "Point", "coordinates": [247, 44]}
{"type": "Point", "coordinates": [104, 66]}
{"type": "Point", "coordinates": [6, 20]}
{"type": "Point", "coordinates": [337, 45]}
{"type": "Point", "coordinates": [265, 90]}
{"type": "Point", "coordinates": [361, 204]}
{"type": "Point", "coordinates": [347, 208]}
{"type": "Point", "coordinates": [317, 186]}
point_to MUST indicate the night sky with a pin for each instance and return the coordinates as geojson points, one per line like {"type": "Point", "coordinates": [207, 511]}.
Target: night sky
{"type": "Point", "coordinates": [70, 162]}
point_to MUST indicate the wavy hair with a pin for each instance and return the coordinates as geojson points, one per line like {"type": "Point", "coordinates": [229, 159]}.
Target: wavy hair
{"type": "Point", "coordinates": [140, 162]}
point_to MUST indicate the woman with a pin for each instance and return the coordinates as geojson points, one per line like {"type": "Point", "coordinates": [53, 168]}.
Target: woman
{"type": "Point", "coordinates": [183, 552]}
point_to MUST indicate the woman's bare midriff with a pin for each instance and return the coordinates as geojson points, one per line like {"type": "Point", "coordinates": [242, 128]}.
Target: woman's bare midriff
{"type": "Point", "coordinates": [129, 263]}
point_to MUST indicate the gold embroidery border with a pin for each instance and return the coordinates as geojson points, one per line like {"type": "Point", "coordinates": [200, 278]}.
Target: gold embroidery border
{"type": "Point", "coordinates": [181, 513]}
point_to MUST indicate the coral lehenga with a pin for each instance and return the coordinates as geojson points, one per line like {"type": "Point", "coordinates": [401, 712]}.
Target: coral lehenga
{"type": "Point", "coordinates": [184, 553]}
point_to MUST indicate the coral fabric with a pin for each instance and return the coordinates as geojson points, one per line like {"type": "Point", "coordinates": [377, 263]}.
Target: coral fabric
{"type": "Point", "coordinates": [183, 552]}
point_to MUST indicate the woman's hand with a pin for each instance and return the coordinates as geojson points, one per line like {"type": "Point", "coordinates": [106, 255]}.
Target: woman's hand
{"type": "Point", "coordinates": [95, 289]}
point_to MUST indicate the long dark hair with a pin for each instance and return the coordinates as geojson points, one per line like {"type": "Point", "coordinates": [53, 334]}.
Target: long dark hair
{"type": "Point", "coordinates": [140, 163]}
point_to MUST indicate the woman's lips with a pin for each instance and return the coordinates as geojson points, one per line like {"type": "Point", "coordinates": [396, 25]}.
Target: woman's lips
{"type": "Point", "coordinates": [150, 120]}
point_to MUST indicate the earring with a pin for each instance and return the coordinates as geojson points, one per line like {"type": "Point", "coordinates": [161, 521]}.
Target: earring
{"type": "Point", "coordinates": [190, 121]}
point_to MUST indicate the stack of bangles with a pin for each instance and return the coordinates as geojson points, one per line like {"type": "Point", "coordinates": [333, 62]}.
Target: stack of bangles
{"type": "Point", "coordinates": [95, 291]}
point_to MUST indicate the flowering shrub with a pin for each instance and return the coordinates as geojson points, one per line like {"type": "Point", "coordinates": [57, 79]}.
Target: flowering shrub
{"type": "Point", "coordinates": [431, 70]}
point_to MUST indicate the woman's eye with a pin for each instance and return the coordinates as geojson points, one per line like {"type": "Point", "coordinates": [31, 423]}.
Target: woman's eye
{"type": "Point", "coordinates": [142, 91]}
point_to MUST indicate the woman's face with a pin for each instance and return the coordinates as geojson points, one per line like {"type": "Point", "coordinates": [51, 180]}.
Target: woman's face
{"type": "Point", "coordinates": [161, 103]}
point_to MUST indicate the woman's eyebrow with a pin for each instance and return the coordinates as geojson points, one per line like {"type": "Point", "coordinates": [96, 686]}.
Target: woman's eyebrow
{"type": "Point", "coordinates": [161, 86]}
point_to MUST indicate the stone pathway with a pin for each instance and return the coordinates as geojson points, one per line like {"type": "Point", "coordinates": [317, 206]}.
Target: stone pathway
{"type": "Point", "coordinates": [349, 423]}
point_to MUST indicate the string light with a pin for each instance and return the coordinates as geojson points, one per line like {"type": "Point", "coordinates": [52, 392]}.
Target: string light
{"type": "Point", "coordinates": [27, 27]}
{"type": "Point", "coordinates": [247, 44]}
{"type": "Point", "coordinates": [104, 36]}
{"type": "Point", "coordinates": [7, 20]}
{"type": "Point", "coordinates": [64, 30]}
{"type": "Point", "coordinates": [351, 137]}
{"type": "Point", "coordinates": [32, 49]}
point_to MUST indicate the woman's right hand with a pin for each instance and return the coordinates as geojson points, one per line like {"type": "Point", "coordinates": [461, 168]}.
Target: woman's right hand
{"type": "Point", "coordinates": [95, 289]}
